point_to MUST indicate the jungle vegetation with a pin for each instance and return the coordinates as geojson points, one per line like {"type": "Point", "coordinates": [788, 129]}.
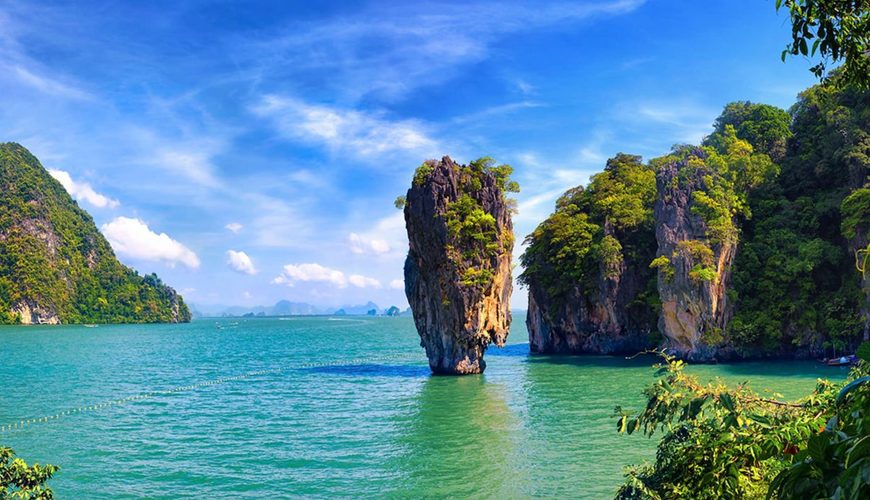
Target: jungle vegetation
{"type": "Point", "coordinates": [21, 481]}
{"type": "Point", "coordinates": [719, 442]}
{"type": "Point", "coordinates": [787, 187]}
{"type": "Point", "coordinates": [54, 256]}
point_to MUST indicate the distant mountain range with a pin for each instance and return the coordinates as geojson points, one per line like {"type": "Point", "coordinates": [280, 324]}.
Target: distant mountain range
{"type": "Point", "coordinates": [288, 308]}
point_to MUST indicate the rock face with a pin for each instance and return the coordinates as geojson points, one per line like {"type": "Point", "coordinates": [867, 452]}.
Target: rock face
{"type": "Point", "coordinates": [695, 308]}
{"type": "Point", "coordinates": [55, 265]}
{"type": "Point", "coordinates": [458, 269]}
{"type": "Point", "coordinates": [591, 289]}
{"type": "Point", "coordinates": [604, 319]}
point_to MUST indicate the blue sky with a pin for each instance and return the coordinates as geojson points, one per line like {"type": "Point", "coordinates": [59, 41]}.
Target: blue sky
{"type": "Point", "coordinates": [251, 151]}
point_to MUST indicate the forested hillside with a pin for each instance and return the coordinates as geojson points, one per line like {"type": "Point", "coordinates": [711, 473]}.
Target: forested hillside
{"type": "Point", "coordinates": [56, 267]}
{"type": "Point", "coordinates": [757, 232]}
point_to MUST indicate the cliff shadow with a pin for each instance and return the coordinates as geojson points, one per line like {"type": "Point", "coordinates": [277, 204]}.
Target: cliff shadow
{"type": "Point", "coordinates": [373, 370]}
{"type": "Point", "coordinates": [597, 360]}
{"type": "Point", "coordinates": [511, 350]}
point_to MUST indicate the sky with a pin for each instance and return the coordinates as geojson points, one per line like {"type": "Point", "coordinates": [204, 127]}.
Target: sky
{"type": "Point", "coordinates": [250, 152]}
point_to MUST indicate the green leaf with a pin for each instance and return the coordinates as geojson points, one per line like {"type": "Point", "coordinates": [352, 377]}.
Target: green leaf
{"type": "Point", "coordinates": [851, 386]}
{"type": "Point", "coordinates": [864, 351]}
{"type": "Point", "coordinates": [860, 450]}
{"type": "Point", "coordinates": [817, 445]}
{"type": "Point", "coordinates": [726, 401]}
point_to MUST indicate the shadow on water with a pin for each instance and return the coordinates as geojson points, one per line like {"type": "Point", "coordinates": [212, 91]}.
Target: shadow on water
{"type": "Point", "coordinates": [512, 350]}
{"type": "Point", "coordinates": [783, 368]}
{"type": "Point", "coordinates": [372, 370]}
{"type": "Point", "coordinates": [596, 360]}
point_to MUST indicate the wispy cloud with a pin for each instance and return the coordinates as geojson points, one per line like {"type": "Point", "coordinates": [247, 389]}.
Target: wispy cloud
{"type": "Point", "coordinates": [352, 131]}
{"type": "Point", "coordinates": [684, 121]}
{"type": "Point", "coordinates": [47, 85]}
{"type": "Point", "coordinates": [497, 111]}
{"type": "Point", "coordinates": [417, 44]}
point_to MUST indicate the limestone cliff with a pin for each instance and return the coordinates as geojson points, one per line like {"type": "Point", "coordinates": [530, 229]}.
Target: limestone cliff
{"type": "Point", "coordinates": [458, 269]}
{"type": "Point", "coordinates": [606, 319]}
{"type": "Point", "coordinates": [591, 289]}
{"type": "Point", "coordinates": [694, 270]}
{"type": "Point", "coordinates": [56, 267]}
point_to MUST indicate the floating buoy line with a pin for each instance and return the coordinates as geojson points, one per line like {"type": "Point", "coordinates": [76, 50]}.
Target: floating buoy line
{"type": "Point", "coordinates": [21, 424]}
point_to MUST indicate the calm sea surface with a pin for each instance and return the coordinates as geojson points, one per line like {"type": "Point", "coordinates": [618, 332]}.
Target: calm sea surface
{"type": "Point", "coordinates": [322, 407]}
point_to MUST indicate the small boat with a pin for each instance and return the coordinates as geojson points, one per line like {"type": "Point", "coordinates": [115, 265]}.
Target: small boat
{"type": "Point", "coordinates": [842, 361]}
{"type": "Point", "coordinates": [90, 326]}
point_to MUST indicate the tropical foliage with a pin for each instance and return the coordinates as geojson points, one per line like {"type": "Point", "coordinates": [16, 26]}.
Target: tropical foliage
{"type": "Point", "coordinates": [594, 229]}
{"type": "Point", "coordinates": [719, 442]}
{"type": "Point", "coordinates": [836, 30]}
{"type": "Point", "coordinates": [474, 238]}
{"type": "Point", "coordinates": [53, 255]}
{"type": "Point", "coordinates": [794, 279]}
{"type": "Point", "coordinates": [21, 481]}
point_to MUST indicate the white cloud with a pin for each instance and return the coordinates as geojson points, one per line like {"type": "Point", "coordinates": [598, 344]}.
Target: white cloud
{"type": "Point", "coordinates": [361, 133]}
{"type": "Point", "coordinates": [239, 261]}
{"type": "Point", "coordinates": [361, 281]}
{"type": "Point", "coordinates": [387, 238]}
{"type": "Point", "coordinates": [397, 284]}
{"type": "Point", "coordinates": [315, 273]}
{"type": "Point", "coordinates": [133, 238]}
{"type": "Point", "coordinates": [362, 245]}
{"type": "Point", "coordinates": [82, 190]}
{"type": "Point", "coordinates": [294, 273]}
{"type": "Point", "coordinates": [684, 120]}
{"type": "Point", "coordinates": [234, 227]}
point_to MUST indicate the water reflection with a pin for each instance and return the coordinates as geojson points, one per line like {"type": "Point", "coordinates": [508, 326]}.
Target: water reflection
{"type": "Point", "coordinates": [458, 439]}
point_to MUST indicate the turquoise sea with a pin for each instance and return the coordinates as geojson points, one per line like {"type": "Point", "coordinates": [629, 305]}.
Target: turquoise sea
{"type": "Point", "coordinates": [323, 407]}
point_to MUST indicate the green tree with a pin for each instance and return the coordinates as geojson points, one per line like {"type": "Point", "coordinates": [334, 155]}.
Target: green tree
{"type": "Point", "coordinates": [721, 442]}
{"type": "Point", "coordinates": [594, 228]}
{"type": "Point", "coordinates": [836, 30]}
{"type": "Point", "coordinates": [21, 481]}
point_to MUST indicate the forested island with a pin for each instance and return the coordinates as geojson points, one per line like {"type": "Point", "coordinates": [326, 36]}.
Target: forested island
{"type": "Point", "coordinates": [744, 246]}
{"type": "Point", "coordinates": [55, 265]}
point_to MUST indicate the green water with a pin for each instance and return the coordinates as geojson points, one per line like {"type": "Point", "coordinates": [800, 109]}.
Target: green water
{"type": "Point", "coordinates": [322, 407]}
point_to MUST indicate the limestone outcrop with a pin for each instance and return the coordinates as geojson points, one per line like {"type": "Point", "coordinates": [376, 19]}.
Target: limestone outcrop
{"type": "Point", "coordinates": [607, 318]}
{"type": "Point", "coordinates": [694, 271]}
{"type": "Point", "coordinates": [458, 270]}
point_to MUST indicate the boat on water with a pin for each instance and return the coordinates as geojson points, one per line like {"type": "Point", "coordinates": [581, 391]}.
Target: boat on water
{"type": "Point", "coordinates": [90, 326]}
{"type": "Point", "coordinates": [841, 361]}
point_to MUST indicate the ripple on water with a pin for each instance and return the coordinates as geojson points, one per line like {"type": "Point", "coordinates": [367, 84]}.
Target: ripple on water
{"type": "Point", "coordinates": [317, 407]}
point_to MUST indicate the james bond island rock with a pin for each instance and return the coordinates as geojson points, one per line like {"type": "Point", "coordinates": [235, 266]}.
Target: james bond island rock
{"type": "Point", "coordinates": [458, 269]}
{"type": "Point", "coordinates": [591, 289]}
{"type": "Point", "coordinates": [56, 267]}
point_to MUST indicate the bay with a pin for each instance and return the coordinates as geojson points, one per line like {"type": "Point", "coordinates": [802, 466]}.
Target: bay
{"type": "Point", "coordinates": [324, 407]}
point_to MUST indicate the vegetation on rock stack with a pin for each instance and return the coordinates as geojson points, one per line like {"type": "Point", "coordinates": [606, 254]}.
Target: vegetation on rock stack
{"type": "Point", "coordinates": [458, 273]}
{"type": "Point", "coordinates": [55, 266]}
